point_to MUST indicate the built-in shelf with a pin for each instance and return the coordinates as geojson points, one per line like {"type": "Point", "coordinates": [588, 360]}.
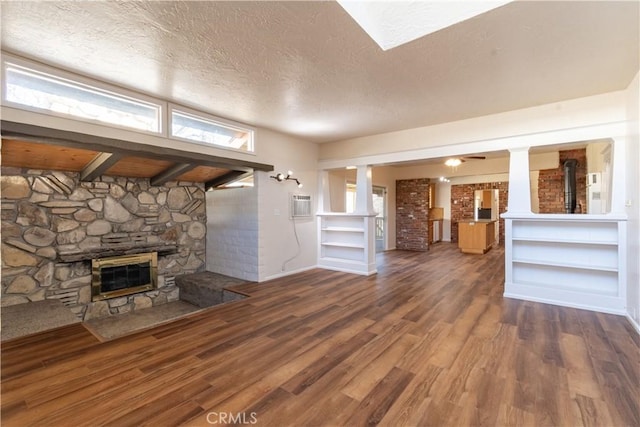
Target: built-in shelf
{"type": "Point", "coordinates": [345, 229]}
{"type": "Point", "coordinates": [603, 291]}
{"type": "Point", "coordinates": [566, 265]}
{"type": "Point", "coordinates": [344, 245]}
{"type": "Point", "coordinates": [565, 241]}
{"type": "Point", "coordinates": [346, 242]}
{"type": "Point", "coordinates": [570, 260]}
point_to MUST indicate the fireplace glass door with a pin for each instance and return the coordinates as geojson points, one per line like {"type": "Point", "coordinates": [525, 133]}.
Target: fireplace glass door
{"type": "Point", "coordinates": [123, 275]}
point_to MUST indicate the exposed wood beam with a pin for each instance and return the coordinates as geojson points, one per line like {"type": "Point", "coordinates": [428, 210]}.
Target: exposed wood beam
{"type": "Point", "coordinates": [99, 165]}
{"type": "Point", "coordinates": [226, 178]}
{"type": "Point", "coordinates": [64, 138]}
{"type": "Point", "coordinates": [171, 173]}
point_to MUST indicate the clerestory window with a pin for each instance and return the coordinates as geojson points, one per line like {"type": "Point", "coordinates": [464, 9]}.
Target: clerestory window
{"type": "Point", "coordinates": [52, 94]}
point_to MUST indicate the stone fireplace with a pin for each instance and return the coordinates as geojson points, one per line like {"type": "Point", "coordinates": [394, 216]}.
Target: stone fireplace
{"type": "Point", "coordinates": [54, 225]}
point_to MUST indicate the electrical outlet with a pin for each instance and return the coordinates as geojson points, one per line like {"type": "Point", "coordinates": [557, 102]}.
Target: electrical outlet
{"type": "Point", "coordinates": [276, 212]}
{"type": "Point", "coordinates": [628, 203]}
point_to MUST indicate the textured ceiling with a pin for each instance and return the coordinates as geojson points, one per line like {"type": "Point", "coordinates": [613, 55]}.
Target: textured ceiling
{"type": "Point", "coordinates": [307, 69]}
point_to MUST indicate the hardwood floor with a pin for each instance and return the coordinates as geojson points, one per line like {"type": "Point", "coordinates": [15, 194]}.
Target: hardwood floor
{"type": "Point", "coordinates": [428, 341]}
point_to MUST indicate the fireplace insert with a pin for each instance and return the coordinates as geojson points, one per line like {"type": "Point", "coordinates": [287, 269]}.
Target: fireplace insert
{"type": "Point", "coordinates": [123, 275]}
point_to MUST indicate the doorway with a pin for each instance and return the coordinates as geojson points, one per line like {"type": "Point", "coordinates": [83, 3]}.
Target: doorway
{"type": "Point", "coordinates": [379, 207]}
{"type": "Point", "coordinates": [486, 207]}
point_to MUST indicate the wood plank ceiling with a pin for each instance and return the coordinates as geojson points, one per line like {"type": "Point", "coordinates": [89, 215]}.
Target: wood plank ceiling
{"type": "Point", "coordinates": [33, 147]}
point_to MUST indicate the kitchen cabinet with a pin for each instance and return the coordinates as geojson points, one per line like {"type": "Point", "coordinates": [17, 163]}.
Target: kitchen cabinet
{"type": "Point", "coordinates": [476, 237]}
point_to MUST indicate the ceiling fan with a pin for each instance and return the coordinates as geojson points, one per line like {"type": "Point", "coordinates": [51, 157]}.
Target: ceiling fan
{"type": "Point", "coordinates": [457, 161]}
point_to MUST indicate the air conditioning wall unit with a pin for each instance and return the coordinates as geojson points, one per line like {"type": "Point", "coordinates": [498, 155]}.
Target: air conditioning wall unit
{"type": "Point", "coordinates": [301, 206]}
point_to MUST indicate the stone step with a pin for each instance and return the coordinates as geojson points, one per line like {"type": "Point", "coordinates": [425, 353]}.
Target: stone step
{"type": "Point", "coordinates": [206, 289]}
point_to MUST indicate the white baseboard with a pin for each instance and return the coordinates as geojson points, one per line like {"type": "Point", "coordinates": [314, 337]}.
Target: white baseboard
{"type": "Point", "coordinates": [635, 324]}
{"type": "Point", "coordinates": [564, 303]}
{"type": "Point", "coordinates": [348, 270]}
{"type": "Point", "coordinates": [287, 273]}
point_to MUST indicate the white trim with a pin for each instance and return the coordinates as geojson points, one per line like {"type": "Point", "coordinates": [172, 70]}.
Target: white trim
{"type": "Point", "coordinates": [348, 270]}
{"type": "Point", "coordinates": [201, 115]}
{"type": "Point", "coordinates": [164, 112]}
{"type": "Point", "coordinates": [537, 139]}
{"type": "Point", "coordinates": [287, 273]}
{"type": "Point", "coordinates": [609, 217]}
{"type": "Point", "coordinates": [635, 324]}
{"type": "Point", "coordinates": [563, 303]}
{"type": "Point", "coordinates": [84, 83]}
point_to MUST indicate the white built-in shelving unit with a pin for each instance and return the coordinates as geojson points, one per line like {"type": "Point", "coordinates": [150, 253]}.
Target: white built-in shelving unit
{"type": "Point", "coordinates": [346, 242]}
{"type": "Point", "coordinates": [570, 260]}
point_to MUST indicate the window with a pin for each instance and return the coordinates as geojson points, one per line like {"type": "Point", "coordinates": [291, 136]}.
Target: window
{"type": "Point", "coordinates": [38, 90]}
{"type": "Point", "coordinates": [241, 183]}
{"type": "Point", "coordinates": [36, 87]}
{"type": "Point", "coordinates": [197, 127]}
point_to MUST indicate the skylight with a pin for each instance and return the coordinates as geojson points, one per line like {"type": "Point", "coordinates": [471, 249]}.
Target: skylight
{"type": "Point", "coordinates": [393, 23]}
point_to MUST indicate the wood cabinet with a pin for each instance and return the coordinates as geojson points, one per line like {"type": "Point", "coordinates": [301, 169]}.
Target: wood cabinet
{"type": "Point", "coordinates": [436, 216]}
{"type": "Point", "coordinates": [476, 237]}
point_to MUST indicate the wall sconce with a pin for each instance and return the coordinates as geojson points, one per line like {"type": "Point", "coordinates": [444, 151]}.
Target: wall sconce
{"type": "Point", "coordinates": [281, 177]}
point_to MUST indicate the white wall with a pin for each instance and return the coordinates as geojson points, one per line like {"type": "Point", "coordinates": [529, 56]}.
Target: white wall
{"type": "Point", "coordinates": [633, 199]}
{"type": "Point", "coordinates": [277, 240]}
{"type": "Point", "coordinates": [338, 189]}
{"type": "Point", "coordinates": [232, 232]}
{"type": "Point", "coordinates": [605, 108]}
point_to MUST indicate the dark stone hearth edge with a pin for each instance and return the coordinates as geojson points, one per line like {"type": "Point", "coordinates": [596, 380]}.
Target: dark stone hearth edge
{"type": "Point", "coordinates": [206, 289]}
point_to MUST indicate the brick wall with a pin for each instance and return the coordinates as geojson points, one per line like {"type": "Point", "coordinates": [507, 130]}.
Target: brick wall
{"type": "Point", "coordinates": [551, 184]}
{"type": "Point", "coordinates": [462, 197]}
{"type": "Point", "coordinates": [412, 214]}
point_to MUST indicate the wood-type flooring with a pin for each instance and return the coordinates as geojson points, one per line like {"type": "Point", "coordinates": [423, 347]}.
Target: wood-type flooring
{"type": "Point", "coordinates": [428, 341]}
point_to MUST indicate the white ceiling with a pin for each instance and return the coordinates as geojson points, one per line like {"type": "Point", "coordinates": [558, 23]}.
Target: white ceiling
{"type": "Point", "coordinates": [307, 69]}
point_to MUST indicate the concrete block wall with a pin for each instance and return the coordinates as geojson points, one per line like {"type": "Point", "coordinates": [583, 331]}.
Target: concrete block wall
{"type": "Point", "coordinates": [232, 232]}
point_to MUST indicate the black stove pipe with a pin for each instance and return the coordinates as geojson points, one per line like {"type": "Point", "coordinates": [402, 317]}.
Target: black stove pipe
{"type": "Point", "coordinates": [570, 185]}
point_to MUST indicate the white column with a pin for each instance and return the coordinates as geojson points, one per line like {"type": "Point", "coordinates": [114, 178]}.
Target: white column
{"type": "Point", "coordinates": [324, 201]}
{"type": "Point", "coordinates": [519, 181]}
{"type": "Point", "coordinates": [364, 190]}
{"type": "Point", "coordinates": [617, 184]}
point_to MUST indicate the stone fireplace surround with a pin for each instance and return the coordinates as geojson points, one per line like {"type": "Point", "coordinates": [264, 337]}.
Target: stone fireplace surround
{"type": "Point", "coordinates": [53, 225]}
